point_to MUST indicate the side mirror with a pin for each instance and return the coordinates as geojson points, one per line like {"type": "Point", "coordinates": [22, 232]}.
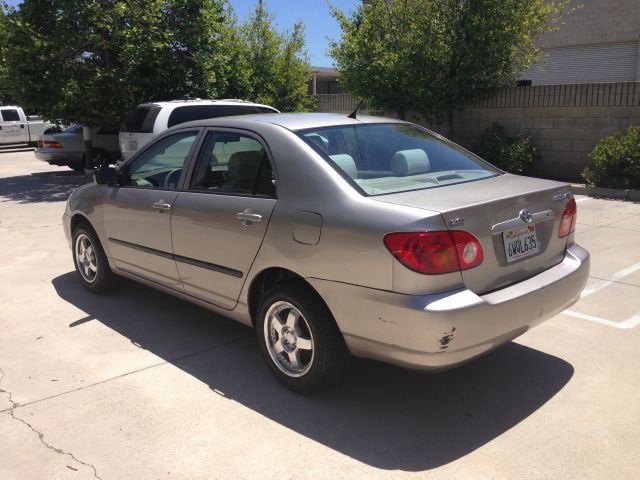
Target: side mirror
{"type": "Point", "coordinates": [106, 176]}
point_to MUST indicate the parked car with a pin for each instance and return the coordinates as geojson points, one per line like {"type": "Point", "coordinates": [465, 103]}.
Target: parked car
{"type": "Point", "coordinates": [334, 236]}
{"type": "Point", "coordinates": [67, 148]}
{"type": "Point", "coordinates": [18, 128]}
{"type": "Point", "coordinates": [150, 119]}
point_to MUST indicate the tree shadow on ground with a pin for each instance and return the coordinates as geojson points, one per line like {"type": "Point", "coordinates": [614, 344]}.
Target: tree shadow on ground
{"type": "Point", "coordinates": [380, 415]}
{"type": "Point", "coordinates": [41, 187]}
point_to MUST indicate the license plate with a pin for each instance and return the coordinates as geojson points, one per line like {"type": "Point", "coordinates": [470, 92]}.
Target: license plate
{"type": "Point", "coordinates": [520, 243]}
{"type": "Point", "coordinates": [133, 145]}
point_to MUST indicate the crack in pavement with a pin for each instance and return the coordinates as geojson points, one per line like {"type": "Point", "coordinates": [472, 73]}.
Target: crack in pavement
{"type": "Point", "coordinates": [165, 362]}
{"type": "Point", "coordinates": [59, 451]}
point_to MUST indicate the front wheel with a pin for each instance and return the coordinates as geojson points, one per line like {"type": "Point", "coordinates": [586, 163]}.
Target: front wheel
{"type": "Point", "coordinates": [90, 260]}
{"type": "Point", "coordinates": [300, 339]}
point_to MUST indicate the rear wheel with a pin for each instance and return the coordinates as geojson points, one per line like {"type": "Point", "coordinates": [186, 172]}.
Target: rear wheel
{"type": "Point", "coordinates": [79, 167]}
{"type": "Point", "coordinates": [90, 260]}
{"type": "Point", "coordinates": [299, 338]}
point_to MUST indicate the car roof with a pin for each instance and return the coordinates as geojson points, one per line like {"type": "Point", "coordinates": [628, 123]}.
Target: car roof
{"type": "Point", "coordinates": [200, 101]}
{"type": "Point", "coordinates": [290, 121]}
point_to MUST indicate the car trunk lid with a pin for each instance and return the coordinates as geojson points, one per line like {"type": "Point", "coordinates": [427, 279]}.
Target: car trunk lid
{"type": "Point", "coordinates": [492, 210]}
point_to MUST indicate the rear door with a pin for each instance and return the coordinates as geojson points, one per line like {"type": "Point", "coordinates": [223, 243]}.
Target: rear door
{"type": "Point", "coordinates": [220, 219]}
{"type": "Point", "coordinates": [14, 127]}
{"type": "Point", "coordinates": [137, 215]}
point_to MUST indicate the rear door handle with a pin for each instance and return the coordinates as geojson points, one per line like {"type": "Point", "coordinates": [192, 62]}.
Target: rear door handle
{"type": "Point", "coordinates": [248, 217]}
{"type": "Point", "coordinates": [161, 205]}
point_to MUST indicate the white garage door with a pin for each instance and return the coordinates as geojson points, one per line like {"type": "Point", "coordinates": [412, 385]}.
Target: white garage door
{"type": "Point", "coordinates": [609, 62]}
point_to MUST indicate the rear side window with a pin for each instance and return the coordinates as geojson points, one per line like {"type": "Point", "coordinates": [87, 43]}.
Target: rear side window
{"type": "Point", "coordinates": [10, 115]}
{"type": "Point", "coordinates": [141, 119]}
{"type": "Point", "coordinates": [189, 113]}
{"type": "Point", "coordinates": [233, 164]}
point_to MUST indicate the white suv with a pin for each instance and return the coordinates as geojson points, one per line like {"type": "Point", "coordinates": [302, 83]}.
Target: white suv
{"type": "Point", "coordinates": [147, 120]}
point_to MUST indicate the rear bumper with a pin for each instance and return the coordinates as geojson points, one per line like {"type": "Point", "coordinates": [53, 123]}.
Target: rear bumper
{"type": "Point", "coordinates": [440, 331]}
{"type": "Point", "coordinates": [56, 157]}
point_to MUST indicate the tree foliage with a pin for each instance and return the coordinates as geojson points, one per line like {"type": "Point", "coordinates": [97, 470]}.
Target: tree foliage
{"type": "Point", "coordinates": [92, 61]}
{"type": "Point", "coordinates": [616, 161]}
{"type": "Point", "coordinates": [433, 57]}
{"type": "Point", "coordinates": [269, 66]}
{"type": "Point", "coordinates": [511, 154]}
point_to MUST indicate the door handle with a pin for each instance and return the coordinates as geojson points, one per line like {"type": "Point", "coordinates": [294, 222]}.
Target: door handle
{"type": "Point", "coordinates": [248, 217]}
{"type": "Point", "coordinates": [21, 126]}
{"type": "Point", "coordinates": [161, 205]}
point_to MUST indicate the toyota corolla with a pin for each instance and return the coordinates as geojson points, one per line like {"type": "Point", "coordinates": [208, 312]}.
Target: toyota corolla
{"type": "Point", "coordinates": [334, 236]}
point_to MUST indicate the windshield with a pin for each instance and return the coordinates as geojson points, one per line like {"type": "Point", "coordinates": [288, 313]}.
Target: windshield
{"type": "Point", "coordinates": [385, 158]}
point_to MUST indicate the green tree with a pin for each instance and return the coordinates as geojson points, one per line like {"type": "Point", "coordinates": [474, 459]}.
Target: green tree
{"type": "Point", "coordinates": [90, 62]}
{"type": "Point", "coordinates": [268, 66]}
{"type": "Point", "coordinates": [434, 57]}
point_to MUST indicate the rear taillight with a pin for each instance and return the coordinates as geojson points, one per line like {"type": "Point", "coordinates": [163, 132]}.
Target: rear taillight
{"type": "Point", "coordinates": [435, 252]}
{"type": "Point", "coordinates": [568, 220]}
{"type": "Point", "coordinates": [49, 144]}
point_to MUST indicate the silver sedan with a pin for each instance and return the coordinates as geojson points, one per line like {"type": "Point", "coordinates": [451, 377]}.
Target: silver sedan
{"type": "Point", "coordinates": [334, 237]}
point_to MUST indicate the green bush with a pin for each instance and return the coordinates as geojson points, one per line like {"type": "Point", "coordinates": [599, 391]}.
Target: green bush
{"type": "Point", "coordinates": [616, 161]}
{"type": "Point", "coordinates": [511, 154]}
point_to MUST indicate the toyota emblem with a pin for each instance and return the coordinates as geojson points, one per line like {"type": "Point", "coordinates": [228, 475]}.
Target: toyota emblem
{"type": "Point", "coordinates": [525, 216]}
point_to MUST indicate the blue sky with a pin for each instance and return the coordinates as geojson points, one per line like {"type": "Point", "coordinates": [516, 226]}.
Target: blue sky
{"type": "Point", "coordinates": [314, 13]}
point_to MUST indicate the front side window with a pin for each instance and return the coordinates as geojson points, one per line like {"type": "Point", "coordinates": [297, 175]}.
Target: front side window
{"type": "Point", "coordinates": [383, 158]}
{"type": "Point", "coordinates": [230, 163]}
{"type": "Point", "coordinates": [161, 165]}
{"type": "Point", "coordinates": [10, 115]}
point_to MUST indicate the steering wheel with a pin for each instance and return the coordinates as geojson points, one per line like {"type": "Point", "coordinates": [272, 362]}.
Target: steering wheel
{"type": "Point", "coordinates": [172, 178]}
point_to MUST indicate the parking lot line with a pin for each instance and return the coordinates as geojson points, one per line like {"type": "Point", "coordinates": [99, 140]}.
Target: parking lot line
{"type": "Point", "coordinates": [583, 199]}
{"type": "Point", "coordinates": [614, 278]}
{"type": "Point", "coordinates": [628, 324]}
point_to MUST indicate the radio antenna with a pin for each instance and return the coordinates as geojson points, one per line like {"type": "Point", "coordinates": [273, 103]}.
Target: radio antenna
{"type": "Point", "coordinates": [355, 112]}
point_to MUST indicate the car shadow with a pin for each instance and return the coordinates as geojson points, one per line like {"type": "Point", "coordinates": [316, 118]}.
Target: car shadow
{"type": "Point", "coordinates": [380, 415]}
{"type": "Point", "coordinates": [41, 187]}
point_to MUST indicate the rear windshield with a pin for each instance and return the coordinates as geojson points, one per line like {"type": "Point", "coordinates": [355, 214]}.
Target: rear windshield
{"type": "Point", "coordinates": [190, 113]}
{"type": "Point", "coordinates": [141, 119]}
{"type": "Point", "coordinates": [383, 158]}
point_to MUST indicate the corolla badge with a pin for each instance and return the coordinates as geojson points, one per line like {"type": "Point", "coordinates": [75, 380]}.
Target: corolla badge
{"type": "Point", "coordinates": [525, 216]}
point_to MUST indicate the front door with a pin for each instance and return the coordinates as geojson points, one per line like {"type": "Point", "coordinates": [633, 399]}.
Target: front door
{"type": "Point", "coordinates": [137, 215]}
{"type": "Point", "coordinates": [221, 217]}
{"type": "Point", "coordinates": [14, 129]}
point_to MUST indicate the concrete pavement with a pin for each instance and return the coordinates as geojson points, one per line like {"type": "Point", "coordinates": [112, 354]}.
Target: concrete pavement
{"type": "Point", "coordinates": [137, 384]}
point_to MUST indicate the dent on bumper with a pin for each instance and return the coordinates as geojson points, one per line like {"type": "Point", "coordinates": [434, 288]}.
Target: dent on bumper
{"type": "Point", "coordinates": [434, 332]}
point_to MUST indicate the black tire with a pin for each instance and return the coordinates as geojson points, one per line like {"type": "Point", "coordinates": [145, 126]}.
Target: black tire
{"type": "Point", "coordinates": [103, 278]}
{"type": "Point", "coordinates": [100, 158]}
{"type": "Point", "coordinates": [79, 167]}
{"type": "Point", "coordinates": [329, 355]}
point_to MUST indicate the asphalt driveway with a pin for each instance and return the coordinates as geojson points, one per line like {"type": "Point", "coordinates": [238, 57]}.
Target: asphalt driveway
{"type": "Point", "coordinates": [137, 384]}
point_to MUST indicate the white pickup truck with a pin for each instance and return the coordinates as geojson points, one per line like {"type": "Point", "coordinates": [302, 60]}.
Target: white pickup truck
{"type": "Point", "coordinates": [16, 127]}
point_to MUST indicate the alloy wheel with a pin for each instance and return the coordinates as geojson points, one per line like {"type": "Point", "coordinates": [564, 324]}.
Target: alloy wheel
{"type": "Point", "coordinates": [86, 259]}
{"type": "Point", "coordinates": [289, 339]}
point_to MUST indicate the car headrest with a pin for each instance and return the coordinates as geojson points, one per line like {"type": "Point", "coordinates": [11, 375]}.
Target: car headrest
{"type": "Point", "coordinates": [319, 141]}
{"type": "Point", "coordinates": [410, 162]}
{"type": "Point", "coordinates": [243, 166]}
{"type": "Point", "coordinates": [346, 163]}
